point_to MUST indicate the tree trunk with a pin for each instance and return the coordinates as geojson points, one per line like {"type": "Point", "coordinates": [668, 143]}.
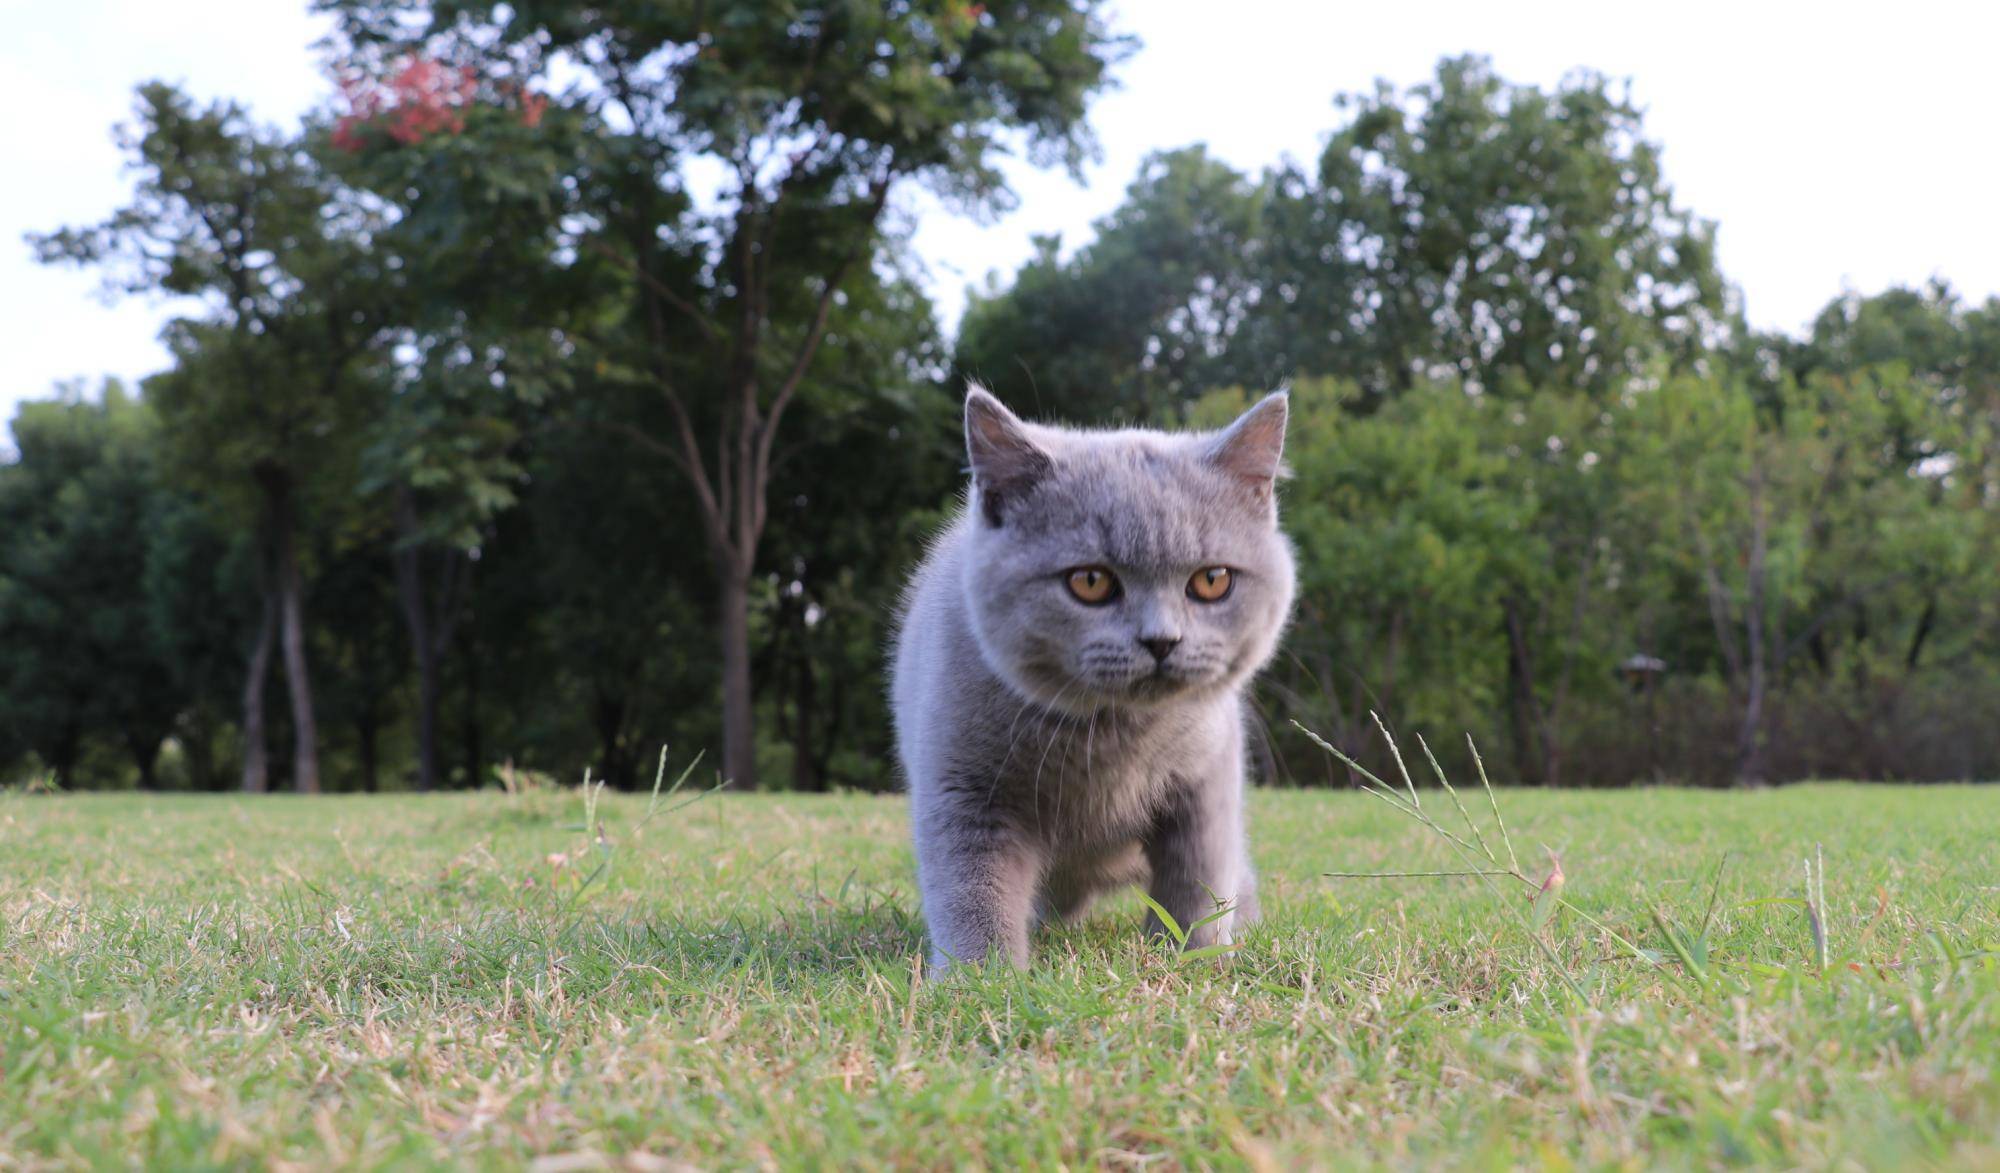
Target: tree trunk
{"type": "Point", "coordinates": [739, 767]}
{"type": "Point", "coordinates": [298, 682]}
{"type": "Point", "coordinates": [256, 751]}
{"type": "Point", "coordinates": [424, 650]}
{"type": "Point", "coordinates": [197, 739]}
{"type": "Point", "coordinates": [1925, 622]}
{"type": "Point", "coordinates": [63, 752]}
{"type": "Point", "coordinates": [806, 775]}
{"type": "Point", "coordinates": [611, 764]}
{"type": "Point", "coordinates": [470, 729]}
{"type": "Point", "coordinates": [1525, 711]}
{"type": "Point", "coordinates": [429, 636]}
{"type": "Point", "coordinates": [367, 730]}
{"type": "Point", "coordinates": [1750, 743]}
{"type": "Point", "coordinates": [145, 750]}
{"type": "Point", "coordinates": [429, 684]}
{"type": "Point", "coordinates": [1392, 654]}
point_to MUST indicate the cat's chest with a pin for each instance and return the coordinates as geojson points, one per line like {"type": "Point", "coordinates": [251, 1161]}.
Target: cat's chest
{"type": "Point", "coordinates": [1106, 777]}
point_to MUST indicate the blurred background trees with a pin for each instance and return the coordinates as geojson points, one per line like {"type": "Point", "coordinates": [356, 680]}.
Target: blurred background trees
{"type": "Point", "coordinates": [566, 391]}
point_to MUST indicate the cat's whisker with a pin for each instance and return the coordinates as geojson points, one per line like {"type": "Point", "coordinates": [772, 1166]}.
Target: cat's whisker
{"type": "Point", "coordinates": [1062, 718]}
{"type": "Point", "coordinates": [1013, 739]}
{"type": "Point", "coordinates": [1089, 738]}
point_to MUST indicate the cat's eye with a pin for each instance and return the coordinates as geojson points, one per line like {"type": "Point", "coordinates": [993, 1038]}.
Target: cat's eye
{"type": "Point", "coordinates": [1211, 585]}
{"type": "Point", "coordinates": [1092, 584]}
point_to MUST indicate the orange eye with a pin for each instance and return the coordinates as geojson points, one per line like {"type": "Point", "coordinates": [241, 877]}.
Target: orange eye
{"type": "Point", "coordinates": [1092, 584]}
{"type": "Point", "coordinates": [1211, 585]}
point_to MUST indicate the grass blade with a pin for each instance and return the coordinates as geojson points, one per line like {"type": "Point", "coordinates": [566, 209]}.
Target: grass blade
{"type": "Point", "coordinates": [1396, 752]}
{"type": "Point", "coordinates": [1480, 764]}
{"type": "Point", "coordinates": [1453, 792]}
{"type": "Point", "coordinates": [1173, 927]}
{"type": "Point", "coordinates": [1413, 875]}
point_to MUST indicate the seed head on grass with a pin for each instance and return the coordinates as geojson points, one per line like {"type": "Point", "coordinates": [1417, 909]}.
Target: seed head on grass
{"type": "Point", "coordinates": [1815, 899]}
{"type": "Point", "coordinates": [598, 840]}
{"type": "Point", "coordinates": [1481, 861]}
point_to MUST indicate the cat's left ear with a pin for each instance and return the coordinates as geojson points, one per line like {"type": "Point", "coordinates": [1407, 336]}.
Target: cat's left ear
{"type": "Point", "coordinates": [1252, 449]}
{"type": "Point", "coordinates": [1006, 461]}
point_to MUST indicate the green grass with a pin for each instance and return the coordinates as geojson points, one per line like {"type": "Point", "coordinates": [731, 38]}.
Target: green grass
{"type": "Point", "coordinates": [189, 982]}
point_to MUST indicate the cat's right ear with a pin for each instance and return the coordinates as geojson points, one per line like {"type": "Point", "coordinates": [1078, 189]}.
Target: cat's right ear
{"type": "Point", "coordinates": [1005, 460]}
{"type": "Point", "coordinates": [1252, 449]}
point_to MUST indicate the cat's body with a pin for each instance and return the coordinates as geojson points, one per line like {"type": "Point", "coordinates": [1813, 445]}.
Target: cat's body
{"type": "Point", "coordinates": [1057, 743]}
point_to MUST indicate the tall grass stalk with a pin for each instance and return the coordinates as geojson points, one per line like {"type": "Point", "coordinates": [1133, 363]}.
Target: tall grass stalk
{"type": "Point", "coordinates": [1482, 862]}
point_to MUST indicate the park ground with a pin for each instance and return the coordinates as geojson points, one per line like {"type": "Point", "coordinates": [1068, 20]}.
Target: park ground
{"type": "Point", "coordinates": [475, 980]}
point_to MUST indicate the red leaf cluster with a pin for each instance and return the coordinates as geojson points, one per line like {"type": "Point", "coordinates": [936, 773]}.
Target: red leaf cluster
{"type": "Point", "coordinates": [532, 106]}
{"type": "Point", "coordinates": [420, 99]}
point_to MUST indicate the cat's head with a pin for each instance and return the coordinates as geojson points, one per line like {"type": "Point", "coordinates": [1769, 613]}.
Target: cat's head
{"type": "Point", "coordinates": [1124, 568]}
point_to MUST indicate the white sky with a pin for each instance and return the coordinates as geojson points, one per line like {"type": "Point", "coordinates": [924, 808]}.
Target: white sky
{"type": "Point", "coordinates": [1840, 146]}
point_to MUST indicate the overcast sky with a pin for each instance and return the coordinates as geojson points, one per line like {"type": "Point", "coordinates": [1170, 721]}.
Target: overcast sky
{"type": "Point", "coordinates": [1839, 146]}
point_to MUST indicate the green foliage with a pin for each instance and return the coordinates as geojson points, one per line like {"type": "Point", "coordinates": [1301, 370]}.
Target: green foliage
{"type": "Point", "coordinates": [861, 498]}
{"type": "Point", "coordinates": [589, 617]}
{"type": "Point", "coordinates": [1469, 563]}
{"type": "Point", "coordinates": [481, 377]}
{"type": "Point", "coordinates": [103, 614]}
{"type": "Point", "coordinates": [1506, 237]}
{"type": "Point", "coordinates": [933, 88]}
{"type": "Point", "coordinates": [729, 188]}
{"type": "Point", "coordinates": [1547, 488]}
{"type": "Point", "coordinates": [242, 219]}
{"type": "Point", "coordinates": [264, 405]}
{"type": "Point", "coordinates": [1139, 322]}
{"type": "Point", "coordinates": [1494, 232]}
{"type": "Point", "coordinates": [1403, 530]}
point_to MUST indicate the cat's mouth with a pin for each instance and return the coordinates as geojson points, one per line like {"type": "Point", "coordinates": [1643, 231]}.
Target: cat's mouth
{"type": "Point", "coordinates": [1096, 678]}
{"type": "Point", "coordinates": [1158, 683]}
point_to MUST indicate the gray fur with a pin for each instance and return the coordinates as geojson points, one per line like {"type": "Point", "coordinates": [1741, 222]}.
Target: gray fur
{"type": "Point", "coordinates": [1050, 756]}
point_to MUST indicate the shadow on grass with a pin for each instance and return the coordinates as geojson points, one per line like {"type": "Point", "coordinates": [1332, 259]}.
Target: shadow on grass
{"type": "Point", "coordinates": [822, 936]}
{"type": "Point", "coordinates": [808, 945]}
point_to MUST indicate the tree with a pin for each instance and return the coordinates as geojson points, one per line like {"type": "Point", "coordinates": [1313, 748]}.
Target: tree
{"type": "Point", "coordinates": [594, 627]}
{"type": "Point", "coordinates": [263, 395]}
{"type": "Point", "coordinates": [82, 657]}
{"type": "Point", "coordinates": [1504, 236]}
{"type": "Point", "coordinates": [813, 117]}
{"type": "Point", "coordinates": [1143, 319]}
{"type": "Point", "coordinates": [356, 637]}
{"type": "Point", "coordinates": [876, 463]}
{"type": "Point", "coordinates": [1491, 231]}
{"type": "Point", "coordinates": [474, 171]}
{"type": "Point", "coordinates": [1403, 549]}
{"type": "Point", "coordinates": [1921, 329]}
{"type": "Point", "coordinates": [199, 589]}
{"type": "Point", "coordinates": [1789, 520]}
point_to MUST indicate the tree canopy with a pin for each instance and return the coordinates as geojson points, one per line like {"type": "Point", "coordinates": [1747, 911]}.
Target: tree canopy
{"type": "Point", "coordinates": [566, 389]}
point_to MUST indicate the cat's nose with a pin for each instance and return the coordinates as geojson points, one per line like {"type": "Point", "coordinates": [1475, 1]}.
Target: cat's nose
{"type": "Point", "coordinates": [1160, 647]}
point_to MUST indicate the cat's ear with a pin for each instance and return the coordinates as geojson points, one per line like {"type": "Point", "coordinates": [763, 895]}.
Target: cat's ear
{"type": "Point", "coordinates": [1005, 460]}
{"type": "Point", "coordinates": [1252, 449]}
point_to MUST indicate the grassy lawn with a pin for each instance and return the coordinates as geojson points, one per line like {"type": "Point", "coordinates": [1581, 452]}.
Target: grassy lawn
{"type": "Point", "coordinates": [190, 982]}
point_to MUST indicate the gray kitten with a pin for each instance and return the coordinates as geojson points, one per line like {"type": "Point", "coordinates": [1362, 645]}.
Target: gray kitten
{"type": "Point", "coordinates": [1069, 674]}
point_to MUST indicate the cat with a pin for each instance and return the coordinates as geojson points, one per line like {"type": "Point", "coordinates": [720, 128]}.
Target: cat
{"type": "Point", "coordinates": [1068, 676]}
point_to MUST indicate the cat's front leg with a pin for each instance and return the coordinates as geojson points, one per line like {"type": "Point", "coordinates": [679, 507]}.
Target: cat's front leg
{"type": "Point", "coordinates": [979, 879]}
{"type": "Point", "coordinates": [1199, 860]}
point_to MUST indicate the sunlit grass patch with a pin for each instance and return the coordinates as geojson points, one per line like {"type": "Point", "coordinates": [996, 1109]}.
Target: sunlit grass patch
{"type": "Point", "coordinates": [491, 978]}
